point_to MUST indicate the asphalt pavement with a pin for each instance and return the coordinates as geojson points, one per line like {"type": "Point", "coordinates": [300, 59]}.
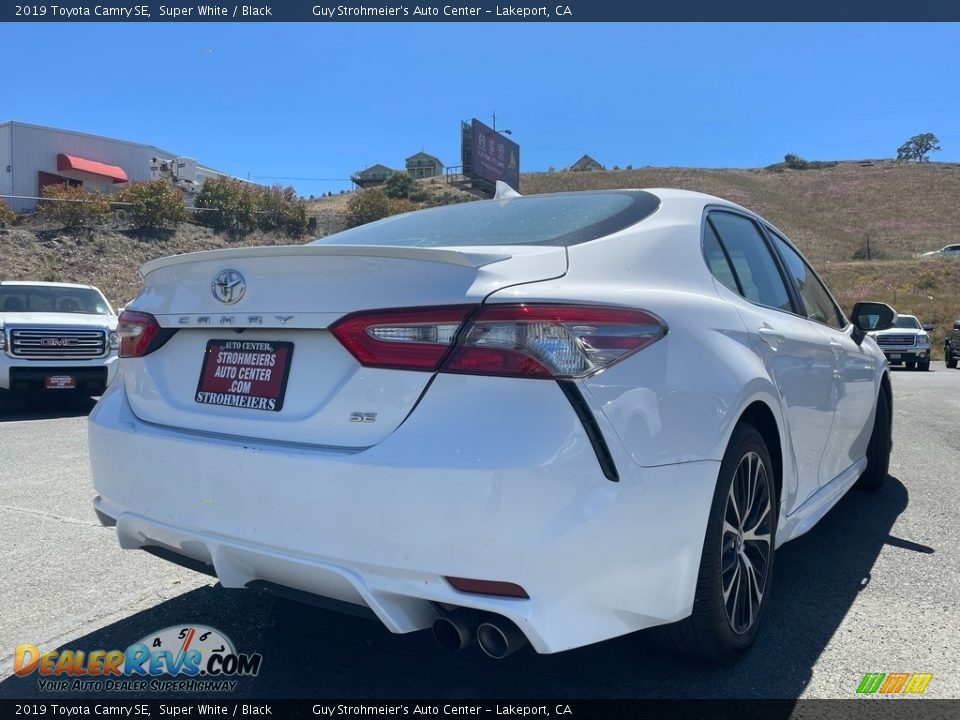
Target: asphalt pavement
{"type": "Point", "coordinates": [873, 588]}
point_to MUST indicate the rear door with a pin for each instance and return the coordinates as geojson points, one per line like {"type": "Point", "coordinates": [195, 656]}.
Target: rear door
{"type": "Point", "coordinates": [248, 350]}
{"type": "Point", "coordinates": [854, 369]}
{"type": "Point", "coordinates": [794, 352]}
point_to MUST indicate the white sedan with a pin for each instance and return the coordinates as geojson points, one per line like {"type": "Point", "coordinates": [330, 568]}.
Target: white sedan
{"type": "Point", "coordinates": [947, 250]}
{"type": "Point", "coordinates": [555, 419]}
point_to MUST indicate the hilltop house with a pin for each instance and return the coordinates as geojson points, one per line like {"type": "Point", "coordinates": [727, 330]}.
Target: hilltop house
{"type": "Point", "coordinates": [373, 175]}
{"type": "Point", "coordinates": [586, 164]}
{"type": "Point", "coordinates": [423, 165]}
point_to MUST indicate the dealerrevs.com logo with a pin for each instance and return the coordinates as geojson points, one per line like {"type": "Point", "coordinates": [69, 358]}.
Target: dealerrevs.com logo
{"type": "Point", "coordinates": [894, 683]}
{"type": "Point", "coordinates": [181, 658]}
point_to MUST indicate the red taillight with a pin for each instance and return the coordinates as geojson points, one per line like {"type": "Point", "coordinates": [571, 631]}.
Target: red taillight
{"type": "Point", "coordinates": [137, 330]}
{"type": "Point", "coordinates": [409, 339]}
{"type": "Point", "coordinates": [540, 341]}
{"type": "Point", "coordinates": [551, 341]}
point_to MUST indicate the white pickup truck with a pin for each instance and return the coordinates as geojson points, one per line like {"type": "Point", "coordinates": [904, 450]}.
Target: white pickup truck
{"type": "Point", "coordinates": [56, 337]}
{"type": "Point", "coordinates": [907, 342]}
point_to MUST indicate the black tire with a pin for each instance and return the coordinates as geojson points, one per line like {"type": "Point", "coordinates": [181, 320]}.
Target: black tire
{"type": "Point", "coordinates": [711, 631]}
{"type": "Point", "coordinates": [925, 365]}
{"type": "Point", "coordinates": [951, 362]}
{"type": "Point", "coordinates": [878, 451]}
{"type": "Point", "coordinates": [910, 365]}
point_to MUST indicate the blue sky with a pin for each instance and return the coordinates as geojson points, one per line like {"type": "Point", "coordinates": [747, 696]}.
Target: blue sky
{"type": "Point", "coordinates": [324, 100]}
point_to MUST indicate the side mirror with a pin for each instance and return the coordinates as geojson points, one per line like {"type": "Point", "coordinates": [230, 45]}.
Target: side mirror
{"type": "Point", "coordinates": [928, 327]}
{"type": "Point", "coordinates": [870, 316]}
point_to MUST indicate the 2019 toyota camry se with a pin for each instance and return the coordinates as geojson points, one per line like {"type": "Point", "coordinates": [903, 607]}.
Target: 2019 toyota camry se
{"type": "Point", "coordinates": [555, 419]}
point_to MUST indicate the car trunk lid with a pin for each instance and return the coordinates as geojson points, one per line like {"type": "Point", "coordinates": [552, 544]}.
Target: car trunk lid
{"type": "Point", "coordinates": [274, 335]}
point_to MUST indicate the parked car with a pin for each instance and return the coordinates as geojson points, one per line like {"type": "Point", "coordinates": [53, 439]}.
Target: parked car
{"type": "Point", "coordinates": [945, 250]}
{"type": "Point", "coordinates": [56, 338]}
{"type": "Point", "coordinates": [555, 419]}
{"type": "Point", "coordinates": [906, 343]}
{"type": "Point", "coordinates": [951, 346]}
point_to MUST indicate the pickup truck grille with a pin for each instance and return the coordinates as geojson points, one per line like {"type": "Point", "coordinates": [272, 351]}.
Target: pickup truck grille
{"type": "Point", "coordinates": [56, 343]}
{"type": "Point", "coordinates": [896, 341]}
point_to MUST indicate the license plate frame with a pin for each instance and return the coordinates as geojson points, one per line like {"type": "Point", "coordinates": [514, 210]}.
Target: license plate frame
{"type": "Point", "coordinates": [228, 364]}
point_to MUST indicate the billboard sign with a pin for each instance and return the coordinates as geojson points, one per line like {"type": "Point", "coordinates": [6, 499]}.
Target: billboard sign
{"type": "Point", "coordinates": [490, 156]}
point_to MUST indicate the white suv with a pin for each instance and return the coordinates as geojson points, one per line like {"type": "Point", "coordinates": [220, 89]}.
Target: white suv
{"type": "Point", "coordinates": [56, 337]}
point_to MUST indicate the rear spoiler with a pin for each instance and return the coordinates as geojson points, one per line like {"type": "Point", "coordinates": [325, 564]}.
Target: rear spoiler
{"type": "Point", "coordinates": [466, 257]}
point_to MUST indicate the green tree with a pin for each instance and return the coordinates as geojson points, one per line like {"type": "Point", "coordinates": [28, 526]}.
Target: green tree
{"type": "Point", "coordinates": [373, 204]}
{"type": "Point", "coordinates": [228, 205]}
{"type": "Point", "coordinates": [918, 148]}
{"type": "Point", "coordinates": [366, 206]}
{"type": "Point", "coordinates": [399, 185]}
{"type": "Point", "coordinates": [279, 209]}
{"type": "Point", "coordinates": [153, 206]}
{"type": "Point", "coordinates": [73, 207]}
{"type": "Point", "coordinates": [795, 162]}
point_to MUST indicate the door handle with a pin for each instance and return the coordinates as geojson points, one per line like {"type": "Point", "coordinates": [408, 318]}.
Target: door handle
{"type": "Point", "coordinates": [837, 348]}
{"type": "Point", "coordinates": [770, 336]}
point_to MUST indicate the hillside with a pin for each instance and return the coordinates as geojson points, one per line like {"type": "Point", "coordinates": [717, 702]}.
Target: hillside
{"type": "Point", "coordinates": [905, 208]}
{"type": "Point", "coordinates": [109, 258]}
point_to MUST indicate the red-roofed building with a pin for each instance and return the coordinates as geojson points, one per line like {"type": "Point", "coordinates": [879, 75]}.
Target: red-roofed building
{"type": "Point", "coordinates": [33, 157]}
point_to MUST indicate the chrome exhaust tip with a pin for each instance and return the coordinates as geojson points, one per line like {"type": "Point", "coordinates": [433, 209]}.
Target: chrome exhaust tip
{"type": "Point", "coordinates": [456, 629]}
{"type": "Point", "coordinates": [500, 638]}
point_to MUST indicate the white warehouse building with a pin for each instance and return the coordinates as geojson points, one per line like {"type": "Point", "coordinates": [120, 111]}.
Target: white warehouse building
{"type": "Point", "coordinates": [33, 157]}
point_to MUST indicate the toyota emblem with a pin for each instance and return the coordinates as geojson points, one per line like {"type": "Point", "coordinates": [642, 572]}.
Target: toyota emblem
{"type": "Point", "coordinates": [228, 286]}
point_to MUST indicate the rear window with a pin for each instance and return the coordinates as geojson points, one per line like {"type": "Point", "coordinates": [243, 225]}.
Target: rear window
{"type": "Point", "coordinates": [563, 219]}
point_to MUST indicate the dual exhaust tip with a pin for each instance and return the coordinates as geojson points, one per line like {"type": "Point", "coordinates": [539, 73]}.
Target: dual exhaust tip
{"type": "Point", "coordinates": [497, 636]}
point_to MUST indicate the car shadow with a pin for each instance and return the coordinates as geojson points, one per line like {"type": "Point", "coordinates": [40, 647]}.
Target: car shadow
{"type": "Point", "coordinates": [44, 407]}
{"type": "Point", "coordinates": [308, 652]}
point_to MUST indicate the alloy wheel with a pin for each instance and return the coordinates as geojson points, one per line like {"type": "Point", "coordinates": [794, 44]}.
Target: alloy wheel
{"type": "Point", "coordinates": [745, 545]}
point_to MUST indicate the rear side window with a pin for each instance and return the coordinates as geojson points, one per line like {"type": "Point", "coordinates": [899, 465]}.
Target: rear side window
{"type": "Point", "coordinates": [562, 219]}
{"type": "Point", "coordinates": [753, 266]}
{"type": "Point", "coordinates": [818, 305]}
{"type": "Point", "coordinates": [717, 260]}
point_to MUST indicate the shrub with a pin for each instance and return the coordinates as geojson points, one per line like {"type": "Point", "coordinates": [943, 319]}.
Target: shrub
{"type": "Point", "coordinates": [795, 162]}
{"type": "Point", "coordinates": [73, 207]}
{"type": "Point", "coordinates": [153, 206]}
{"type": "Point", "coordinates": [7, 216]}
{"type": "Point", "coordinates": [368, 205]}
{"type": "Point", "coordinates": [399, 185]}
{"type": "Point", "coordinates": [279, 208]}
{"type": "Point", "coordinates": [227, 205]}
{"type": "Point", "coordinates": [395, 206]}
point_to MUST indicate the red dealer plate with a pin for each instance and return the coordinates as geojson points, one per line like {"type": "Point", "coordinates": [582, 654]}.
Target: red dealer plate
{"type": "Point", "coordinates": [248, 374]}
{"type": "Point", "coordinates": [60, 382]}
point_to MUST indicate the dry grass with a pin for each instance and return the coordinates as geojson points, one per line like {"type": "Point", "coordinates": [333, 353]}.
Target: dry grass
{"type": "Point", "coordinates": [906, 208]}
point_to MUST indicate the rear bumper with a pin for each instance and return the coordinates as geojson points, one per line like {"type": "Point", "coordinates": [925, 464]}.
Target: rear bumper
{"type": "Point", "coordinates": [458, 490]}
